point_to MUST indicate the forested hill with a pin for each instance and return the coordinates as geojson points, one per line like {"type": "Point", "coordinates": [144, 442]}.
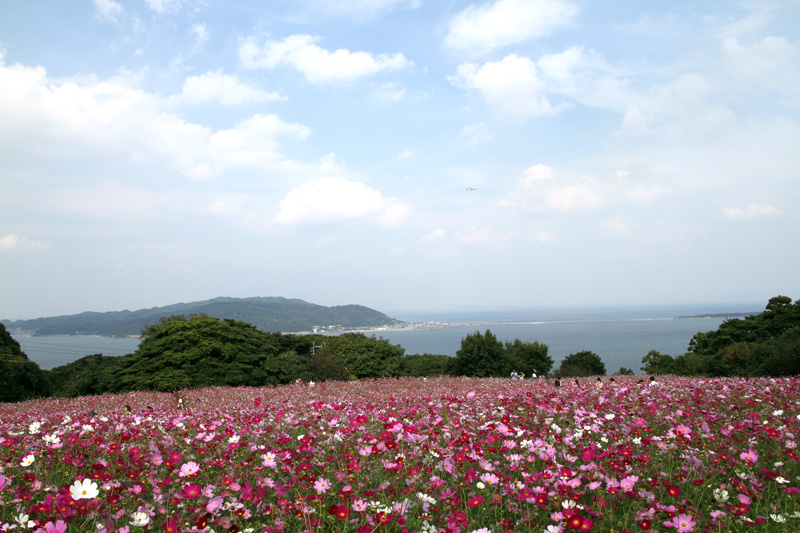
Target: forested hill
{"type": "Point", "coordinates": [273, 314]}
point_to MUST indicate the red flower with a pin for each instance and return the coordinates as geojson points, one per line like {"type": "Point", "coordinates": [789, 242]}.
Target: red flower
{"type": "Point", "coordinates": [646, 525]}
{"type": "Point", "coordinates": [339, 511]}
{"type": "Point", "coordinates": [575, 522]}
{"type": "Point", "coordinates": [674, 491]}
{"type": "Point", "coordinates": [475, 500]}
{"type": "Point", "coordinates": [172, 525]}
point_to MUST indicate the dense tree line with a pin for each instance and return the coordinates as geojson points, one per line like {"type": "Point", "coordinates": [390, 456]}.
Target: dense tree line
{"type": "Point", "coordinates": [20, 378]}
{"type": "Point", "coordinates": [766, 344]}
{"type": "Point", "coordinates": [200, 351]}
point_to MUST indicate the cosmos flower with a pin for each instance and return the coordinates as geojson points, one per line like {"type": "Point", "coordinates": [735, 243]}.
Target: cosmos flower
{"type": "Point", "coordinates": [140, 519]}
{"type": "Point", "coordinates": [85, 489]}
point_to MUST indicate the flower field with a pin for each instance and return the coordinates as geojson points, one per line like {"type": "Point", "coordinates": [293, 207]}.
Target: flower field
{"type": "Point", "coordinates": [438, 455]}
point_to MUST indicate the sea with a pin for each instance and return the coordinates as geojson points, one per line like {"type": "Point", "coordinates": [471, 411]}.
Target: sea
{"type": "Point", "coordinates": [621, 335]}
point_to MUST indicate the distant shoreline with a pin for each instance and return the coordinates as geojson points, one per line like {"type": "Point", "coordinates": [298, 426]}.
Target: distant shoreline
{"type": "Point", "coordinates": [428, 325]}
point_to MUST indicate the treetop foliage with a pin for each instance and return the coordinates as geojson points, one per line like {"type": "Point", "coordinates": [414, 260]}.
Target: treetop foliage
{"type": "Point", "coordinates": [766, 344]}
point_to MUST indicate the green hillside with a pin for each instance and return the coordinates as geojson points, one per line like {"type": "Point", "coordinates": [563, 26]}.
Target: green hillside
{"type": "Point", "coordinates": [273, 314]}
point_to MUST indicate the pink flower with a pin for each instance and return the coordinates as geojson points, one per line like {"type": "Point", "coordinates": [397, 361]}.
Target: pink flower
{"type": "Point", "coordinates": [750, 456]}
{"type": "Point", "coordinates": [682, 522]}
{"type": "Point", "coordinates": [489, 478]}
{"type": "Point", "coordinates": [189, 469]}
{"type": "Point", "coordinates": [322, 485]}
{"type": "Point", "coordinates": [49, 527]}
{"type": "Point", "coordinates": [627, 484]}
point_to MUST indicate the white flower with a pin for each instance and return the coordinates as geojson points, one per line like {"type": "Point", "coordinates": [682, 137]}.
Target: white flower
{"type": "Point", "coordinates": [777, 412]}
{"type": "Point", "coordinates": [34, 427]}
{"type": "Point", "coordinates": [52, 439]}
{"type": "Point", "coordinates": [140, 519]}
{"type": "Point", "coordinates": [84, 490]}
{"type": "Point", "coordinates": [480, 485]}
{"type": "Point", "coordinates": [780, 479]}
{"type": "Point", "coordinates": [233, 439]}
{"type": "Point", "coordinates": [23, 520]}
{"type": "Point", "coordinates": [778, 518]}
{"type": "Point", "coordinates": [27, 460]}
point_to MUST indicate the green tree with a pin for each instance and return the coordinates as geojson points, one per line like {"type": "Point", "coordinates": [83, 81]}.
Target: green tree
{"type": "Point", "coordinates": [583, 363]}
{"type": "Point", "coordinates": [92, 374]}
{"type": "Point", "coordinates": [426, 365]}
{"type": "Point", "coordinates": [528, 357]}
{"type": "Point", "coordinates": [481, 356]}
{"type": "Point", "coordinates": [363, 356]}
{"type": "Point", "coordinates": [734, 348]}
{"type": "Point", "coordinates": [777, 357]}
{"type": "Point", "coordinates": [200, 351]}
{"type": "Point", "coordinates": [624, 371]}
{"type": "Point", "coordinates": [20, 378]}
{"type": "Point", "coordinates": [657, 363]}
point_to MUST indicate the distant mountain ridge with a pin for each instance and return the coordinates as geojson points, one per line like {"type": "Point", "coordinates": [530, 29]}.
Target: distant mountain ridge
{"type": "Point", "coordinates": [272, 313]}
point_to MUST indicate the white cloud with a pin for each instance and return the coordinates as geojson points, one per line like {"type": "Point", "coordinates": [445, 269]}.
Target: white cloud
{"type": "Point", "coordinates": [11, 242]}
{"type": "Point", "coordinates": [770, 64]}
{"type": "Point", "coordinates": [325, 199]}
{"type": "Point", "coordinates": [617, 226]}
{"type": "Point", "coordinates": [362, 10]}
{"type": "Point", "coordinates": [317, 64]}
{"type": "Point", "coordinates": [480, 29]}
{"type": "Point", "coordinates": [45, 118]}
{"type": "Point", "coordinates": [395, 213]}
{"type": "Point", "coordinates": [751, 211]}
{"type": "Point", "coordinates": [485, 236]}
{"type": "Point", "coordinates": [540, 189]}
{"type": "Point", "coordinates": [108, 9]}
{"type": "Point", "coordinates": [512, 86]}
{"type": "Point", "coordinates": [165, 6]}
{"type": "Point", "coordinates": [476, 133]}
{"type": "Point", "coordinates": [406, 154]}
{"type": "Point", "coordinates": [536, 173]}
{"type": "Point", "coordinates": [435, 235]}
{"type": "Point", "coordinates": [200, 33]}
{"type": "Point", "coordinates": [389, 92]}
{"type": "Point", "coordinates": [222, 88]}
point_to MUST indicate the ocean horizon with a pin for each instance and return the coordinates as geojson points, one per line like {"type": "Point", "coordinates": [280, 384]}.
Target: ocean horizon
{"type": "Point", "coordinates": [620, 335]}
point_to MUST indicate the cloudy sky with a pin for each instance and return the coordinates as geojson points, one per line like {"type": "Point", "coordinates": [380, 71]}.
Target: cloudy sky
{"type": "Point", "coordinates": [625, 152]}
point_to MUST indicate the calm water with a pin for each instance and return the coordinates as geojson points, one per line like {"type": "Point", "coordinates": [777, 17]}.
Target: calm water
{"type": "Point", "coordinates": [620, 336]}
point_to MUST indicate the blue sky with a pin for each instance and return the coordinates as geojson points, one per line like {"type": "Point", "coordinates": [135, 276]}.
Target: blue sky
{"type": "Point", "coordinates": [626, 152]}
